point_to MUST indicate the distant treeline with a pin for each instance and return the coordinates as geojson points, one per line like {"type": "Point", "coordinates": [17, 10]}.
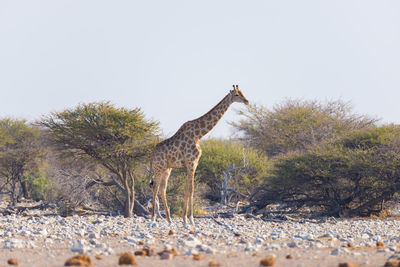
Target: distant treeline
{"type": "Point", "coordinates": [300, 153]}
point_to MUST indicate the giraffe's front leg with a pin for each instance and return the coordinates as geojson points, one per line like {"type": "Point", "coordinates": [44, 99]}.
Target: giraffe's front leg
{"type": "Point", "coordinates": [191, 213]}
{"type": "Point", "coordinates": [186, 203]}
{"type": "Point", "coordinates": [189, 191]}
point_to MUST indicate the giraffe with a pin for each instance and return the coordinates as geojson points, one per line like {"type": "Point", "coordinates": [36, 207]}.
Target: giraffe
{"type": "Point", "coordinates": [183, 150]}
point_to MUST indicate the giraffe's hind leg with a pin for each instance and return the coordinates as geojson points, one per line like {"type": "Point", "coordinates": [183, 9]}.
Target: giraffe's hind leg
{"type": "Point", "coordinates": [163, 192]}
{"type": "Point", "coordinates": [156, 187]}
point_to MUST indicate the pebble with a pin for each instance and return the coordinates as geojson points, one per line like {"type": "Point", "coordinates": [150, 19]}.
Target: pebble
{"type": "Point", "coordinates": [80, 246]}
{"type": "Point", "coordinates": [339, 251]}
{"type": "Point", "coordinates": [192, 242]}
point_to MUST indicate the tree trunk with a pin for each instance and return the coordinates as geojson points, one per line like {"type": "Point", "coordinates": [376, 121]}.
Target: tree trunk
{"type": "Point", "coordinates": [128, 207]}
{"type": "Point", "coordinates": [129, 195]}
{"type": "Point", "coordinates": [223, 196]}
{"type": "Point", "coordinates": [25, 191]}
{"type": "Point", "coordinates": [13, 192]}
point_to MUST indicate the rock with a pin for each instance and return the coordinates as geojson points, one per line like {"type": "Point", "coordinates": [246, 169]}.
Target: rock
{"type": "Point", "coordinates": [13, 261]}
{"type": "Point", "coordinates": [172, 251]}
{"type": "Point", "coordinates": [80, 246]}
{"type": "Point", "coordinates": [93, 235]}
{"type": "Point", "coordinates": [140, 252]}
{"type": "Point", "coordinates": [289, 256]}
{"type": "Point", "coordinates": [249, 247]}
{"type": "Point", "coordinates": [80, 260]}
{"type": "Point", "coordinates": [99, 257]}
{"type": "Point", "coordinates": [206, 249]}
{"type": "Point", "coordinates": [14, 243]}
{"type": "Point", "coordinates": [339, 251]}
{"type": "Point", "coordinates": [269, 260]}
{"type": "Point", "coordinates": [25, 233]}
{"type": "Point", "coordinates": [171, 232]}
{"type": "Point", "coordinates": [380, 244]}
{"type": "Point", "coordinates": [197, 257]}
{"type": "Point", "coordinates": [214, 264]}
{"type": "Point", "coordinates": [348, 264]}
{"type": "Point", "coordinates": [41, 232]}
{"type": "Point", "coordinates": [192, 242]}
{"type": "Point", "coordinates": [149, 251]}
{"type": "Point", "coordinates": [273, 246]}
{"type": "Point", "coordinates": [127, 259]}
{"type": "Point", "coordinates": [108, 251]}
{"type": "Point", "coordinates": [191, 251]}
{"type": "Point", "coordinates": [365, 236]}
{"type": "Point", "coordinates": [166, 256]}
{"type": "Point", "coordinates": [100, 245]}
{"type": "Point", "coordinates": [392, 264]}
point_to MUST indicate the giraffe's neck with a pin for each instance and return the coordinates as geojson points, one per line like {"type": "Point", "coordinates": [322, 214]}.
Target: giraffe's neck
{"type": "Point", "coordinates": [206, 122]}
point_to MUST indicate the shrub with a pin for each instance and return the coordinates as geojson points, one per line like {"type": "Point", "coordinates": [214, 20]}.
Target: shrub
{"type": "Point", "coordinates": [352, 175]}
{"type": "Point", "coordinates": [245, 167]}
{"type": "Point", "coordinates": [40, 185]}
{"type": "Point", "coordinates": [295, 125]}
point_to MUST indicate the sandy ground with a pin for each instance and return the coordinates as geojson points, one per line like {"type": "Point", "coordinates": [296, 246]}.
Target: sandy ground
{"type": "Point", "coordinates": [57, 255]}
{"type": "Point", "coordinates": [53, 237]}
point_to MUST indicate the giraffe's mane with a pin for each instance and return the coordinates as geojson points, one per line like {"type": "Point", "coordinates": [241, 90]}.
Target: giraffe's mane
{"type": "Point", "coordinates": [199, 118]}
{"type": "Point", "coordinates": [211, 110]}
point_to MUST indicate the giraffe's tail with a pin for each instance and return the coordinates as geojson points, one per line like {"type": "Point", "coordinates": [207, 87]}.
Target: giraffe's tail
{"type": "Point", "coordinates": [150, 170]}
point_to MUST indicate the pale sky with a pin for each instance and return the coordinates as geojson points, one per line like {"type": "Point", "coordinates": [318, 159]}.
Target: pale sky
{"type": "Point", "coordinates": [177, 59]}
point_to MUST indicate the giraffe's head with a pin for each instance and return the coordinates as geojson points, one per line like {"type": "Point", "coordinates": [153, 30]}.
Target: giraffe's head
{"type": "Point", "coordinates": [237, 95]}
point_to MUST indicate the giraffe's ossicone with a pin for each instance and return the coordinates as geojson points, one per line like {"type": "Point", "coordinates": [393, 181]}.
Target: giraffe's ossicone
{"type": "Point", "coordinates": [183, 150]}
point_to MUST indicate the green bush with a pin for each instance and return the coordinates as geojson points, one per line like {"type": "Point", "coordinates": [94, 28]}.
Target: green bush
{"type": "Point", "coordinates": [248, 167]}
{"type": "Point", "coordinates": [296, 125]}
{"type": "Point", "coordinates": [40, 185]}
{"type": "Point", "coordinates": [352, 175]}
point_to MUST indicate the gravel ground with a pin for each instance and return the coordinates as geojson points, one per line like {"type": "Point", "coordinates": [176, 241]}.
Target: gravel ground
{"type": "Point", "coordinates": [239, 241]}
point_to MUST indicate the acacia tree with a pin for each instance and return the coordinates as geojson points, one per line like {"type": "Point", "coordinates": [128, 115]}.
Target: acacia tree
{"type": "Point", "coordinates": [19, 152]}
{"type": "Point", "coordinates": [296, 125]}
{"type": "Point", "coordinates": [351, 175]}
{"type": "Point", "coordinates": [117, 138]}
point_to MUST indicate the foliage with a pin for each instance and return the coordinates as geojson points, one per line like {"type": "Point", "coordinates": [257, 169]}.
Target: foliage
{"type": "Point", "coordinates": [295, 125]}
{"type": "Point", "coordinates": [351, 175]}
{"type": "Point", "coordinates": [40, 185]}
{"type": "Point", "coordinates": [20, 152]}
{"type": "Point", "coordinates": [117, 138]}
{"type": "Point", "coordinates": [246, 167]}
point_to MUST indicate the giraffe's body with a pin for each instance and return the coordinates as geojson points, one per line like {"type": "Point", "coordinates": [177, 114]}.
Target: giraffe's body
{"type": "Point", "coordinates": [183, 150]}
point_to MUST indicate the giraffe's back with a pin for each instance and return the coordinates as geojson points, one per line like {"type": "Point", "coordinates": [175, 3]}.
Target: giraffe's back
{"type": "Point", "coordinates": [168, 154]}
